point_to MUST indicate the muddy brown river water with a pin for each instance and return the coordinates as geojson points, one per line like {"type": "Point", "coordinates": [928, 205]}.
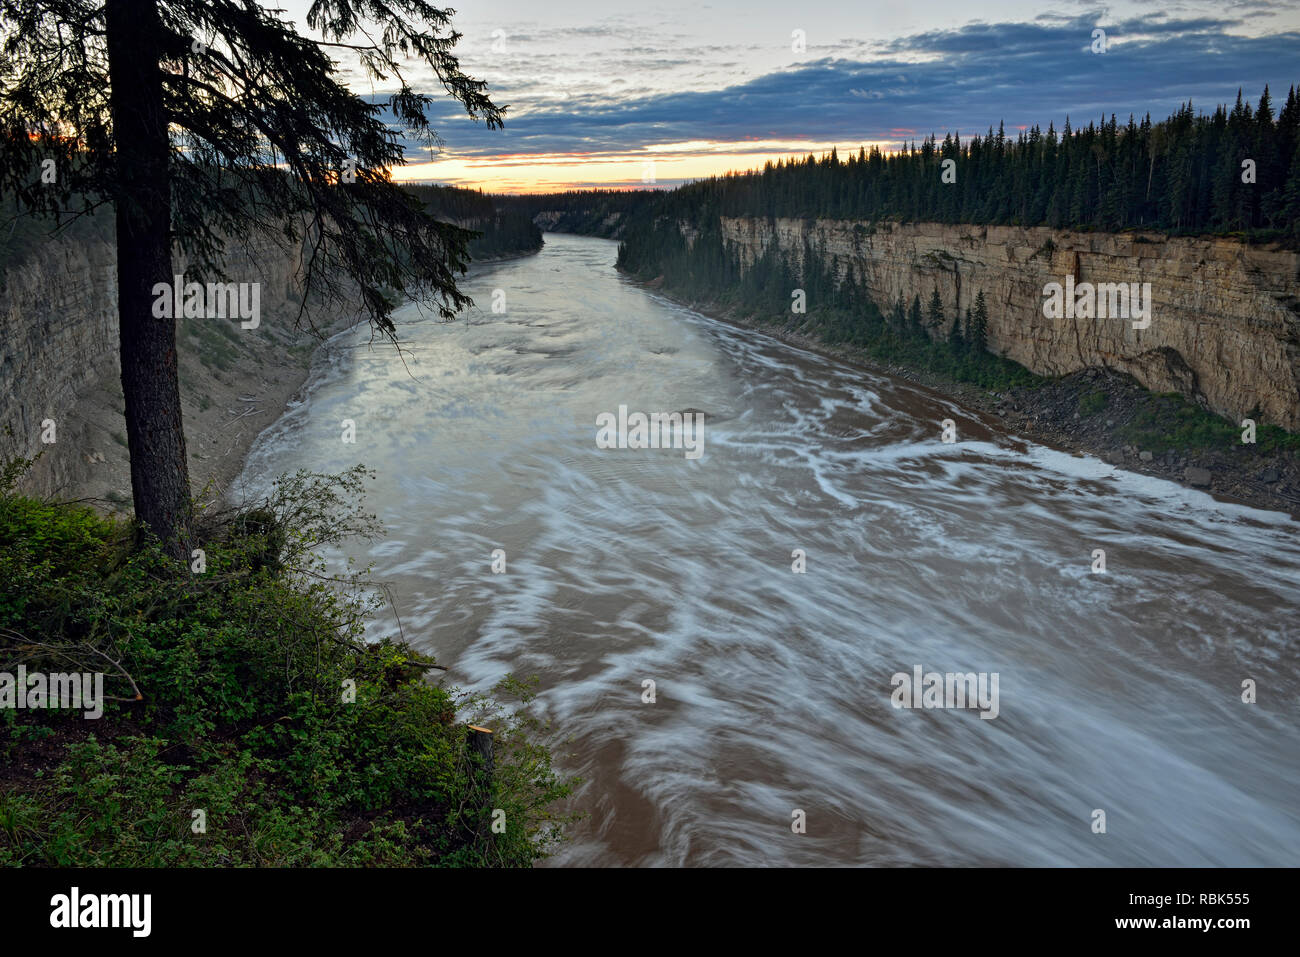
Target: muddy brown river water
{"type": "Point", "coordinates": [774, 692]}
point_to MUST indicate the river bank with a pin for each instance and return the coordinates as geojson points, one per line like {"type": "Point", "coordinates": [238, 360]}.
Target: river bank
{"type": "Point", "coordinates": [1094, 411]}
{"type": "Point", "coordinates": [772, 686]}
{"type": "Point", "coordinates": [235, 383]}
{"type": "Point", "coordinates": [254, 396]}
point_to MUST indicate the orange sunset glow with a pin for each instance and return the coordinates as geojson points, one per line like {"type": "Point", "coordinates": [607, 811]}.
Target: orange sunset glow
{"type": "Point", "coordinates": [668, 163]}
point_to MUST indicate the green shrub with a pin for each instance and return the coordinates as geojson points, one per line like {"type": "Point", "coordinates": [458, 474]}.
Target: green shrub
{"type": "Point", "coordinates": [1093, 402]}
{"type": "Point", "coordinates": [245, 692]}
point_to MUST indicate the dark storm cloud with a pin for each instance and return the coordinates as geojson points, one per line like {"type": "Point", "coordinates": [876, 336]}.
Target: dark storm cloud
{"type": "Point", "coordinates": [967, 79]}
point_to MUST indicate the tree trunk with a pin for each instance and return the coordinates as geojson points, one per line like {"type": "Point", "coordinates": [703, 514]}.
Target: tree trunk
{"type": "Point", "coordinates": [482, 770]}
{"type": "Point", "coordinates": [160, 483]}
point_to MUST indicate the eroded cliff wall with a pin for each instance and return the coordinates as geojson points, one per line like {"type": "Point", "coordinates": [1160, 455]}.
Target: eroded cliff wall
{"type": "Point", "coordinates": [59, 362]}
{"type": "Point", "coordinates": [1225, 317]}
{"type": "Point", "coordinates": [58, 338]}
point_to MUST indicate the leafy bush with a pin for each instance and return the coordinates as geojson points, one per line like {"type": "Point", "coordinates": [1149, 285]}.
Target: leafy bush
{"type": "Point", "coordinates": [1093, 402]}
{"type": "Point", "coordinates": [245, 692]}
{"type": "Point", "coordinates": [1167, 421]}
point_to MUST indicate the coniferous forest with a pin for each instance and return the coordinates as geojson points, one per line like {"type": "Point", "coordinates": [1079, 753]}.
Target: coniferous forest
{"type": "Point", "coordinates": [354, 524]}
{"type": "Point", "coordinates": [1234, 170]}
{"type": "Point", "coordinates": [502, 231]}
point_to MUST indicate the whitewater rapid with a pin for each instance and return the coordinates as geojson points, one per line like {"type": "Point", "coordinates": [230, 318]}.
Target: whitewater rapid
{"type": "Point", "coordinates": [1119, 691]}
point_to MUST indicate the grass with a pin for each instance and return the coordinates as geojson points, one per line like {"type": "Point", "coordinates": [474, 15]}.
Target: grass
{"type": "Point", "coordinates": [1093, 402]}
{"type": "Point", "coordinates": [217, 341]}
{"type": "Point", "coordinates": [1166, 421]}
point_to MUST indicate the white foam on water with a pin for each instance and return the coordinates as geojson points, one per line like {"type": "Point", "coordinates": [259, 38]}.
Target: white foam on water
{"type": "Point", "coordinates": [1118, 690]}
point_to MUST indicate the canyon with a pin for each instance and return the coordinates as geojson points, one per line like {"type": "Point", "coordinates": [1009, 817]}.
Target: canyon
{"type": "Point", "coordinates": [1225, 316]}
{"type": "Point", "coordinates": [1224, 330]}
{"type": "Point", "coordinates": [59, 362]}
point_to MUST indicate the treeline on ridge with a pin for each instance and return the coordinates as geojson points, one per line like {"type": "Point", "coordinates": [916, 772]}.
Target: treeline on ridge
{"type": "Point", "coordinates": [504, 230]}
{"type": "Point", "coordinates": [1181, 175]}
{"type": "Point", "coordinates": [1231, 171]}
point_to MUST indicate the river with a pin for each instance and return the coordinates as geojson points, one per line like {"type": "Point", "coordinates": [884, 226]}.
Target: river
{"type": "Point", "coordinates": [1118, 691]}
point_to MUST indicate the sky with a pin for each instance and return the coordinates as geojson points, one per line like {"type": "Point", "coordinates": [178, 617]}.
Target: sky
{"type": "Point", "coordinates": [623, 94]}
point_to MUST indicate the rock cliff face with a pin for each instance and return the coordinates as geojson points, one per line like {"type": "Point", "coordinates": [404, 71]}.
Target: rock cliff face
{"type": "Point", "coordinates": [59, 362]}
{"type": "Point", "coordinates": [58, 337]}
{"type": "Point", "coordinates": [583, 222]}
{"type": "Point", "coordinates": [1225, 317]}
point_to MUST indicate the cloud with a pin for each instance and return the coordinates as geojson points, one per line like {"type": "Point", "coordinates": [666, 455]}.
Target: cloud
{"type": "Point", "coordinates": [964, 79]}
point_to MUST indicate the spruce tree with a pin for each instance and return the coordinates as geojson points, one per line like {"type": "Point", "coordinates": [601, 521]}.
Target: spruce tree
{"type": "Point", "coordinates": [934, 311]}
{"type": "Point", "coordinates": [955, 337]}
{"type": "Point", "coordinates": [978, 326]}
{"type": "Point", "coordinates": [210, 124]}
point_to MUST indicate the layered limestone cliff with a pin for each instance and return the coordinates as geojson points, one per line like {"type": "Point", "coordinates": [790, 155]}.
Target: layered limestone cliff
{"type": "Point", "coordinates": [60, 372]}
{"type": "Point", "coordinates": [1225, 317]}
{"type": "Point", "coordinates": [58, 338]}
